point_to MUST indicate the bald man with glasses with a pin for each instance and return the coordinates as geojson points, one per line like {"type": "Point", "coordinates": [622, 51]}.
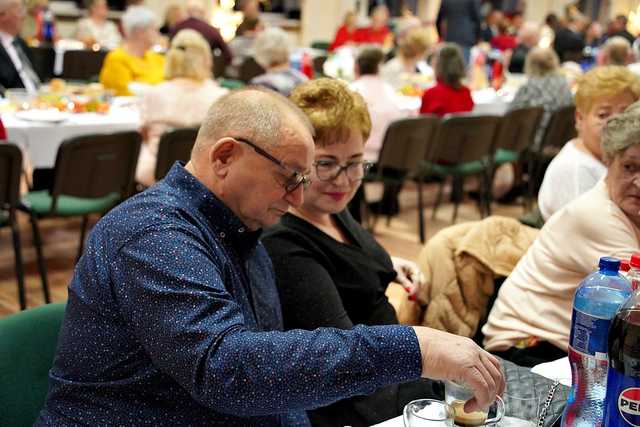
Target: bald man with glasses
{"type": "Point", "coordinates": [173, 315]}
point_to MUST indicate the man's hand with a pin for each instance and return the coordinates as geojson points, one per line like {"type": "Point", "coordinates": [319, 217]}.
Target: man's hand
{"type": "Point", "coordinates": [408, 274]}
{"type": "Point", "coordinates": [451, 357]}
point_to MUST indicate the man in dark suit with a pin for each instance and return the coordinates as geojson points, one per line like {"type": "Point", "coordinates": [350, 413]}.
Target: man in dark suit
{"type": "Point", "coordinates": [16, 66]}
{"type": "Point", "coordinates": [569, 41]}
{"type": "Point", "coordinates": [459, 22]}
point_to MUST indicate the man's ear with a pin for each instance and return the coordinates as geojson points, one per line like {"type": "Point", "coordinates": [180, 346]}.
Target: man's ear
{"type": "Point", "coordinates": [222, 154]}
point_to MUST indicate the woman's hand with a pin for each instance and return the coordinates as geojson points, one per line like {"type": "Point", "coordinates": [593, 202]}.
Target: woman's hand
{"type": "Point", "coordinates": [408, 275]}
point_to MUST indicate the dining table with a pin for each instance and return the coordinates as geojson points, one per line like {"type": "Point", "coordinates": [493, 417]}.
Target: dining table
{"type": "Point", "coordinates": [39, 134]}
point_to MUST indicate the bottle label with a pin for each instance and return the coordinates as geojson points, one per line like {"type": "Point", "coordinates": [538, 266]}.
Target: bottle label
{"type": "Point", "coordinates": [589, 334]}
{"type": "Point", "coordinates": [622, 405]}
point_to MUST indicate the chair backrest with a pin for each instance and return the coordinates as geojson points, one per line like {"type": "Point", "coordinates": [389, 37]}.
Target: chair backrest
{"type": "Point", "coordinates": [93, 166]}
{"type": "Point", "coordinates": [82, 64]}
{"type": "Point", "coordinates": [518, 129]}
{"type": "Point", "coordinates": [10, 170]}
{"type": "Point", "coordinates": [463, 138]}
{"type": "Point", "coordinates": [27, 348]}
{"type": "Point", "coordinates": [249, 69]}
{"type": "Point", "coordinates": [405, 141]}
{"type": "Point", "coordinates": [43, 61]}
{"type": "Point", "coordinates": [174, 145]}
{"type": "Point", "coordinates": [561, 128]}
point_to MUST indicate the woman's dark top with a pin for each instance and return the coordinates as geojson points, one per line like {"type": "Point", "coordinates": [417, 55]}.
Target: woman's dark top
{"type": "Point", "coordinates": [326, 283]}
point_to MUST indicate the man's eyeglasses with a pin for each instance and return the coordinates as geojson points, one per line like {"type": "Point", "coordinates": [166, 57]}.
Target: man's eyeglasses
{"type": "Point", "coordinates": [328, 170]}
{"type": "Point", "coordinates": [293, 181]}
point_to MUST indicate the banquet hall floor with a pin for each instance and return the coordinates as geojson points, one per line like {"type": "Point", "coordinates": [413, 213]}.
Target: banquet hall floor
{"type": "Point", "coordinates": [60, 237]}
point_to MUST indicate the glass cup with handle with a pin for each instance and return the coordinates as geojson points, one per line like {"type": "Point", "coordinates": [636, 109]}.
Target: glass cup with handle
{"type": "Point", "coordinates": [427, 413]}
{"type": "Point", "coordinates": [456, 395]}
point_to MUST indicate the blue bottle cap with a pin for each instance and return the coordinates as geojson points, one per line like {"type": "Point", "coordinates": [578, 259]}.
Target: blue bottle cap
{"type": "Point", "coordinates": [609, 264]}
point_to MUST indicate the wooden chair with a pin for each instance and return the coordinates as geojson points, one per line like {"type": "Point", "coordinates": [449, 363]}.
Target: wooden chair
{"type": "Point", "coordinates": [515, 137]}
{"type": "Point", "coordinates": [463, 146]}
{"type": "Point", "coordinates": [174, 145]}
{"type": "Point", "coordinates": [10, 171]}
{"type": "Point", "coordinates": [402, 149]}
{"type": "Point", "coordinates": [92, 174]}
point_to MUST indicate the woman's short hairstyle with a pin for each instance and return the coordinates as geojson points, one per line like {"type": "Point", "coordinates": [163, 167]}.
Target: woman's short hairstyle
{"type": "Point", "coordinates": [541, 61]}
{"type": "Point", "coordinates": [333, 109]}
{"type": "Point", "coordinates": [415, 43]}
{"type": "Point", "coordinates": [89, 4]}
{"type": "Point", "coordinates": [189, 57]}
{"type": "Point", "coordinates": [369, 60]}
{"type": "Point", "coordinates": [621, 132]}
{"type": "Point", "coordinates": [137, 18]}
{"type": "Point", "coordinates": [271, 47]}
{"type": "Point", "coordinates": [602, 82]}
{"type": "Point", "coordinates": [450, 64]}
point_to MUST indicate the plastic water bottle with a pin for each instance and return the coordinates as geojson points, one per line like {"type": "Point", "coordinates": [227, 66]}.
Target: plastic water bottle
{"type": "Point", "coordinates": [597, 299]}
{"type": "Point", "coordinates": [48, 29]}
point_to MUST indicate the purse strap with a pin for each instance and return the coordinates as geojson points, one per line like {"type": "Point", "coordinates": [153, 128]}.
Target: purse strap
{"type": "Point", "coordinates": [547, 403]}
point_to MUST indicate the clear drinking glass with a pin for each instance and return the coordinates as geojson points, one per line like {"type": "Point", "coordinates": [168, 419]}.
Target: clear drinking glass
{"type": "Point", "coordinates": [521, 408]}
{"type": "Point", "coordinates": [456, 395]}
{"type": "Point", "coordinates": [428, 413]}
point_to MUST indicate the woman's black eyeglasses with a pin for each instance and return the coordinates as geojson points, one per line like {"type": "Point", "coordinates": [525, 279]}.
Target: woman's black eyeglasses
{"type": "Point", "coordinates": [293, 181]}
{"type": "Point", "coordinates": [328, 170]}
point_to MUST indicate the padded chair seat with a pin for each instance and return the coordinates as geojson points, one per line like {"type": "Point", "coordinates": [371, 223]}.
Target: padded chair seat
{"type": "Point", "coordinates": [4, 218]}
{"type": "Point", "coordinates": [27, 349]}
{"type": "Point", "coordinates": [40, 203]}
{"type": "Point", "coordinates": [231, 84]}
{"type": "Point", "coordinates": [505, 156]}
{"type": "Point", "coordinates": [469, 168]}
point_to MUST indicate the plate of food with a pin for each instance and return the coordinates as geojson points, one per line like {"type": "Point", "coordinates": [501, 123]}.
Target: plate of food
{"type": "Point", "coordinates": [49, 115]}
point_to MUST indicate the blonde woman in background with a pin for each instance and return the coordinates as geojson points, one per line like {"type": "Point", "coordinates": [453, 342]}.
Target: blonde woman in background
{"type": "Point", "coordinates": [96, 28]}
{"type": "Point", "coordinates": [602, 92]}
{"type": "Point", "coordinates": [174, 13]}
{"type": "Point", "coordinates": [134, 61]}
{"type": "Point", "coordinates": [410, 60]}
{"type": "Point", "coordinates": [181, 101]}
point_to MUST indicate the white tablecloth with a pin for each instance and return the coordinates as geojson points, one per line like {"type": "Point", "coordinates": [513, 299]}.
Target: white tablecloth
{"type": "Point", "coordinates": [40, 141]}
{"type": "Point", "coordinates": [485, 102]}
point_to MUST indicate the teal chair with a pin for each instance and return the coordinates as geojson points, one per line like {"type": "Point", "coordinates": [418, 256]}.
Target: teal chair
{"type": "Point", "coordinates": [92, 174]}
{"type": "Point", "coordinates": [515, 139]}
{"type": "Point", "coordinates": [463, 146]}
{"type": "Point", "coordinates": [27, 347]}
{"type": "Point", "coordinates": [10, 171]}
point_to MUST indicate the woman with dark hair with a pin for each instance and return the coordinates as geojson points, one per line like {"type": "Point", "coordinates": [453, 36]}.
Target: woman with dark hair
{"type": "Point", "coordinates": [449, 95]}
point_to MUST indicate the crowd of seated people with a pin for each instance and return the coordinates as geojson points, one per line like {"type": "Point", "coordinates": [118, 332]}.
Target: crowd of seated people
{"type": "Point", "coordinates": [602, 92]}
{"type": "Point", "coordinates": [530, 320]}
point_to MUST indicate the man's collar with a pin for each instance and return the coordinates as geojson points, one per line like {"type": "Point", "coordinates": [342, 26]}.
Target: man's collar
{"type": "Point", "coordinates": [6, 38]}
{"type": "Point", "coordinates": [225, 224]}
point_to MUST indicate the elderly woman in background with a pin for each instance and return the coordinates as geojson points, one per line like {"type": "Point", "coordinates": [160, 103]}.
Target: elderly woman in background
{"type": "Point", "coordinates": [242, 45]}
{"type": "Point", "coordinates": [545, 87]}
{"type": "Point", "coordinates": [380, 97]}
{"type": "Point", "coordinates": [530, 320]}
{"type": "Point", "coordinates": [96, 28]}
{"type": "Point", "coordinates": [181, 101]}
{"type": "Point", "coordinates": [410, 59]}
{"type": "Point", "coordinates": [528, 38]}
{"type": "Point", "coordinates": [602, 92]}
{"type": "Point", "coordinates": [271, 50]}
{"type": "Point", "coordinates": [330, 271]}
{"type": "Point", "coordinates": [449, 95]}
{"type": "Point", "coordinates": [134, 61]}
